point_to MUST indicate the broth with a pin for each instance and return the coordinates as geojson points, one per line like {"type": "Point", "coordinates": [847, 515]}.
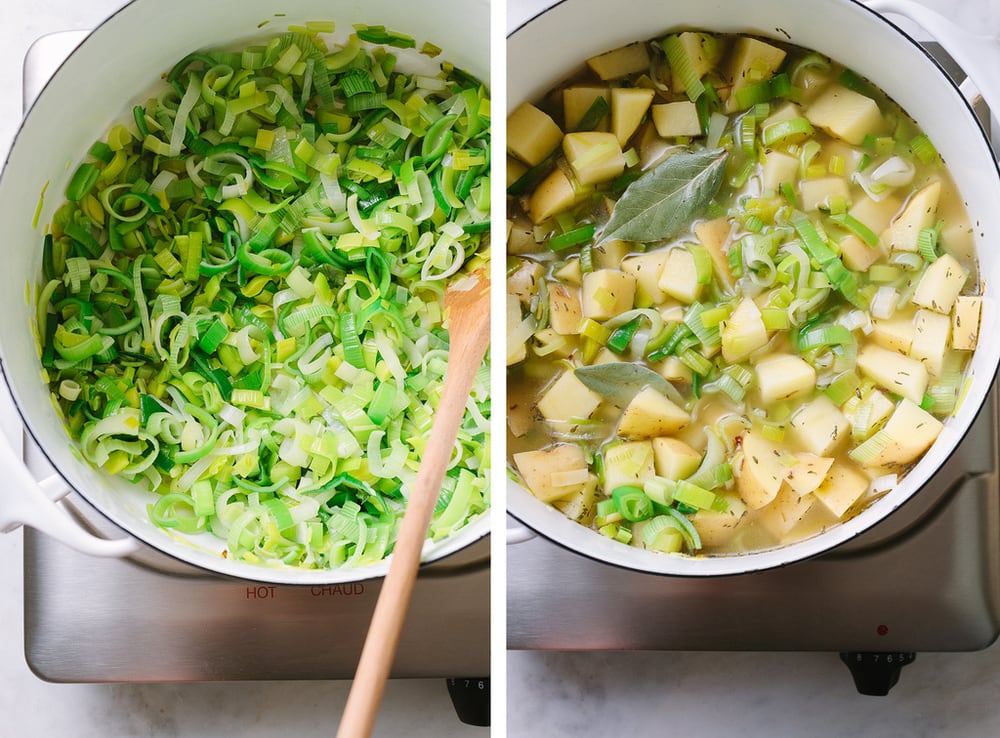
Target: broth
{"type": "Point", "coordinates": [773, 361]}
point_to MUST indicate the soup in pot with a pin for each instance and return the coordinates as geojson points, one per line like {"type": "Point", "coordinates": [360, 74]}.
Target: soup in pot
{"type": "Point", "coordinates": [741, 294]}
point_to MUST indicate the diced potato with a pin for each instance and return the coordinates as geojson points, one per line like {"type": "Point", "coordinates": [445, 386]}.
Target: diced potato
{"type": "Point", "coordinates": [788, 111]}
{"type": "Point", "coordinates": [713, 235]}
{"type": "Point", "coordinates": [819, 427]}
{"type": "Point", "coordinates": [515, 170]}
{"type": "Point", "coordinates": [674, 459]}
{"type": "Point", "coordinates": [819, 193]}
{"type": "Point", "coordinates": [808, 473]}
{"type": "Point", "coordinates": [875, 214]}
{"type": "Point", "coordinates": [674, 370]}
{"type": "Point", "coordinates": [676, 119]}
{"type": "Point", "coordinates": [920, 212]}
{"type": "Point", "coordinates": [605, 356]}
{"type": "Point", "coordinates": [858, 255]}
{"type": "Point", "coordinates": [679, 277]}
{"type": "Point", "coordinates": [576, 103]}
{"type": "Point", "coordinates": [521, 236]}
{"type": "Point", "coordinates": [843, 487]}
{"type": "Point", "coordinates": [703, 50]}
{"type": "Point", "coordinates": [523, 281]}
{"type": "Point", "coordinates": [565, 312]}
{"type": "Point", "coordinates": [571, 272]}
{"type": "Point", "coordinates": [940, 284]}
{"type": "Point", "coordinates": [646, 269]}
{"type": "Point", "coordinates": [881, 408]}
{"type": "Point", "coordinates": [610, 254]}
{"type": "Point", "coordinates": [628, 106]}
{"type": "Point", "coordinates": [595, 156]}
{"type": "Point", "coordinates": [899, 374]}
{"type": "Point", "coordinates": [620, 62]}
{"type": "Point", "coordinates": [760, 471]}
{"type": "Point", "coordinates": [580, 506]}
{"type": "Point", "coordinates": [537, 468]}
{"type": "Point", "coordinates": [931, 335]}
{"type": "Point", "coordinates": [554, 194]}
{"type": "Point", "coordinates": [718, 528]}
{"type": "Point", "coordinates": [912, 431]}
{"type": "Point", "coordinates": [895, 333]}
{"type": "Point", "coordinates": [517, 349]}
{"type": "Point", "coordinates": [845, 114]}
{"type": "Point", "coordinates": [786, 512]}
{"type": "Point", "coordinates": [568, 399]}
{"type": "Point", "coordinates": [778, 167]}
{"type": "Point", "coordinates": [651, 414]}
{"type": "Point", "coordinates": [784, 376]}
{"type": "Point", "coordinates": [628, 463]}
{"type": "Point", "coordinates": [531, 134]}
{"type": "Point", "coordinates": [606, 293]}
{"type": "Point", "coordinates": [743, 332]}
{"type": "Point", "coordinates": [965, 322]}
{"type": "Point", "coordinates": [752, 60]}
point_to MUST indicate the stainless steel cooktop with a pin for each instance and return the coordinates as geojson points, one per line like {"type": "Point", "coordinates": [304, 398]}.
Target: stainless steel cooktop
{"type": "Point", "coordinates": [150, 618]}
{"type": "Point", "coordinates": [926, 579]}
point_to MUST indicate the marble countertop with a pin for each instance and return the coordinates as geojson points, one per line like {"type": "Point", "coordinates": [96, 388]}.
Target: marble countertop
{"type": "Point", "coordinates": [751, 694]}
{"type": "Point", "coordinates": [31, 707]}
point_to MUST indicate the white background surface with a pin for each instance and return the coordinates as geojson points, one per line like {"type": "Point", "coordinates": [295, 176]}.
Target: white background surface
{"type": "Point", "coordinates": [559, 695]}
{"type": "Point", "coordinates": [30, 707]}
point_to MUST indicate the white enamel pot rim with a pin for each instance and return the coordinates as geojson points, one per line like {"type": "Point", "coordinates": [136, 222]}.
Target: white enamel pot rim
{"type": "Point", "coordinates": [877, 49]}
{"type": "Point", "coordinates": [113, 68]}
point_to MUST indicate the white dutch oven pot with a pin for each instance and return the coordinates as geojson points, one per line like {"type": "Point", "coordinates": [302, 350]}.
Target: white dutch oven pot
{"type": "Point", "coordinates": [111, 70]}
{"type": "Point", "coordinates": [543, 51]}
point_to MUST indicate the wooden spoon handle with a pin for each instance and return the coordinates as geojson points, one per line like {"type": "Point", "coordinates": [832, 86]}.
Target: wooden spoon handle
{"type": "Point", "coordinates": [394, 599]}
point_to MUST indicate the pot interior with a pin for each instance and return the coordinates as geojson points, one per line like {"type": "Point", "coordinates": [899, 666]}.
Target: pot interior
{"type": "Point", "coordinates": [870, 45]}
{"type": "Point", "coordinates": [110, 71]}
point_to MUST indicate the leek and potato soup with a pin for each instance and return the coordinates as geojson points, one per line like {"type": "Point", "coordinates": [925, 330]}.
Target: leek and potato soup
{"type": "Point", "coordinates": [741, 294]}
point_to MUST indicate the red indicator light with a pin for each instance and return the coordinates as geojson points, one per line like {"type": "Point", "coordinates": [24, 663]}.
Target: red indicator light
{"type": "Point", "coordinates": [882, 630]}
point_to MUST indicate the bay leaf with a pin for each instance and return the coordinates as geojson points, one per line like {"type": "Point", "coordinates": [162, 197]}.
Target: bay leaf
{"type": "Point", "coordinates": [666, 198]}
{"type": "Point", "coordinates": [620, 381]}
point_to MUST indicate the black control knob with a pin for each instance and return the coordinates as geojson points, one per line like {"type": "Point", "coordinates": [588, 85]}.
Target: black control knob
{"type": "Point", "coordinates": [471, 698]}
{"type": "Point", "coordinates": [876, 672]}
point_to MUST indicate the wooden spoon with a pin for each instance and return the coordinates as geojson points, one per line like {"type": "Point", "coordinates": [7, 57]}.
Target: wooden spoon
{"type": "Point", "coordinates": [467, 304]}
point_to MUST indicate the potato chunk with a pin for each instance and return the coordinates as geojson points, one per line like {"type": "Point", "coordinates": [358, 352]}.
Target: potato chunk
{"type": "Point", "coordinates": [743, 332]}
{"type": "Point", "coordinates": [940, 284]}
{"type": "Point", "coordinates": [646, 269]}
{"type": "Point", "coordinates": [965, 322]}
{"type": "Point", "coordinates": [651, 414]}
{"type": "Point", "coordinates": [713, 235]}
{"type": "Point", "coordinates": [676, 119]}
{"type": "Point", "coordinates": [567, 399]}
{"type": "Point", "coordinates": [620, 62]}
{"type": "Point", "coordinates": [531, 134]}
{"type": "Point", "coordinates": [893, 371]}
{"type": "Point", "coordinates": [554, 194]}
{"type": "Point", "coordinates": [931, 334]}
{"type": "Point", "coordinates": [674, 459]}
{"type": "Point", "coordinates": [819, 193]}
{"type": "Point", "coordinates": [627, 463]}
{"type": "Point", "coordinates": [564, 461]}
{"type": "Point", "coordinates": [565, 312]}
{"type": "Point", "coordinates": [808, 473]}
{"type": "Point", "coordinates": [783, 376]}
{"type": "Point", "coordinates": [843, 486]}
{"type": "Point", "coordinates": [778, 167]}
{"type": "Point", "coordinates": [578, 100]}
{"type": "Point", "coordinates": [761, 471]}
{"type": "Point", "coordinates": [845, 114]}
{"type": "Point", "coordinates": [595, 156]}
{"type": "Point", "coordinates": [606, 293]}
{"type": "Point", "coordinates": [679, 277]}
{"type": "Point", "coordinates": [788, 508]}
{"type": "Point", "coordinates": [628, 106]}
{"type": "Point", "coordinates": [895, 333]}
{"type": "Point", "coordinates": [717, 528]}
{"type": "Point", "coordinates": [911, 431]}
{"type": "Point", "coordinates": [751, 60]}
{"type": "Point", "coordinates": [820, 427]}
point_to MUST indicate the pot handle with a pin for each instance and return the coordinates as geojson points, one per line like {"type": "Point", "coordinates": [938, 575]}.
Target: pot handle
{"type": "Point", "coordinates": [978, 55]}
{"type": "Point", "coordinates": [23, 502]}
